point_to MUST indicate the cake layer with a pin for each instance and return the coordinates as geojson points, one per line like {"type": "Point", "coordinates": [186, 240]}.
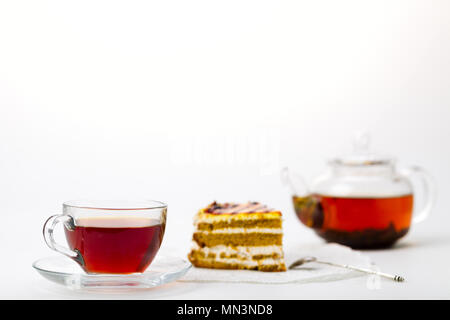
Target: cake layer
{"type": "Point", "coordinates": [215, 218]}
{"type": "Point", "coordinates": [267, 264]}
{"type": "Point", "coordinates": [211, 239]}
{"type": "Point", "coordinates": [257, 257]}
{"type": "Point", "coordinates": [242, 230]}
{"type": "Point", "coordinates": [236, 223]}
{"type": "Point", "coordinates": [242, 252]}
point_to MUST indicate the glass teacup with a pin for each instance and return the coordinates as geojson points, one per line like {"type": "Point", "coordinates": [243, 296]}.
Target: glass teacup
{"type": "Point", "coordinates": [117, 237]}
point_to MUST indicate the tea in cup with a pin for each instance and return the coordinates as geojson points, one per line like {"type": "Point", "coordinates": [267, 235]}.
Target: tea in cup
{"type": "Point", "coordinates": [115, 237]}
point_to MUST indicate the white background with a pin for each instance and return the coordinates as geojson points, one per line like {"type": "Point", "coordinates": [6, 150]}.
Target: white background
{"type": "Point", "coordinates": [193, 101]}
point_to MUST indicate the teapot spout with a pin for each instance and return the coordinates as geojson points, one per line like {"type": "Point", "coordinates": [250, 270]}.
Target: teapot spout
{"type": "Point", "coordinates": [307, 206]}
{"type": "Point", "coordinates": [309, 210]}
{"type": "Point", "coordinates": [295, 182]}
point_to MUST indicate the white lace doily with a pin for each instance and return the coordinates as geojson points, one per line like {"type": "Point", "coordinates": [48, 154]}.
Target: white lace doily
{"type": "Point", "coordinates": [311, 272]}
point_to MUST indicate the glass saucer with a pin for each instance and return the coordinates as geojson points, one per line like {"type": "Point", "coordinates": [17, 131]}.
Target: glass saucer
{"type": "Point", "coordinates": [67, 272]}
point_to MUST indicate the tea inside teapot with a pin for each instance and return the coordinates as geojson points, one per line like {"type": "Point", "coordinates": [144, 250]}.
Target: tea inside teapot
{"type": "Point", "coordinates": [354, 221]}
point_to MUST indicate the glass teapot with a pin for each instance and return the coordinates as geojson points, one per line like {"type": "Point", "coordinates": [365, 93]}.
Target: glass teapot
{"type": "Point", "coordinates": [362, 201]}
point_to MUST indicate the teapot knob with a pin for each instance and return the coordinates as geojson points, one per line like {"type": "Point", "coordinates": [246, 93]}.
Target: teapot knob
{"type": "Point", "coordinates": [361, 142]}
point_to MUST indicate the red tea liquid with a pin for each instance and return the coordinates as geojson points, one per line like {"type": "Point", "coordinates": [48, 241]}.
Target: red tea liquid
{"type": "Point", "coordinates": [116, 245]}
{"type": "Point", "coordinates": [357, 222]}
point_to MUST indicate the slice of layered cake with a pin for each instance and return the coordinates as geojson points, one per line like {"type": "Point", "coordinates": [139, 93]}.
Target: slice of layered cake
{"type": "Point", "coordinates": [238, 236]}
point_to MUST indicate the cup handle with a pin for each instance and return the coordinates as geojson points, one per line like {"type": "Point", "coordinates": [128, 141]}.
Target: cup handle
{"type": "Point", "coordinates": [48, 229]}
{"type": "Point", "coordinates": [429, 189]}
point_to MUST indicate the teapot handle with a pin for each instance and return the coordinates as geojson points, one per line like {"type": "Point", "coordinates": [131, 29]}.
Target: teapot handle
{"type": "Point", "coordinates": [295, 182]}
{"type": "Point", "coordinates": [429, 189]}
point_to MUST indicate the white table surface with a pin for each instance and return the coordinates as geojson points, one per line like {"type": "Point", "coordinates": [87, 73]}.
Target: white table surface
{"type": "Point", "coordinates": [422, 257]}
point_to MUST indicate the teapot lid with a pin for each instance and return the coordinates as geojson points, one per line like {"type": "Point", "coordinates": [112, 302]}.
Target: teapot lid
{"type": "Point", "coordinates": [361, 155]}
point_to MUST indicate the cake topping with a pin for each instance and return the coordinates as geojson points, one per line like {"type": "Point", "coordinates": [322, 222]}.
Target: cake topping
{"type": "Point", "coordinates": [234, 208]}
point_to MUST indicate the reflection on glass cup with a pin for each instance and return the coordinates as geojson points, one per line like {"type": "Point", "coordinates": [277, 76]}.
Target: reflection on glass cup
{"type": "Point", "coordinates": [117, 237]}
